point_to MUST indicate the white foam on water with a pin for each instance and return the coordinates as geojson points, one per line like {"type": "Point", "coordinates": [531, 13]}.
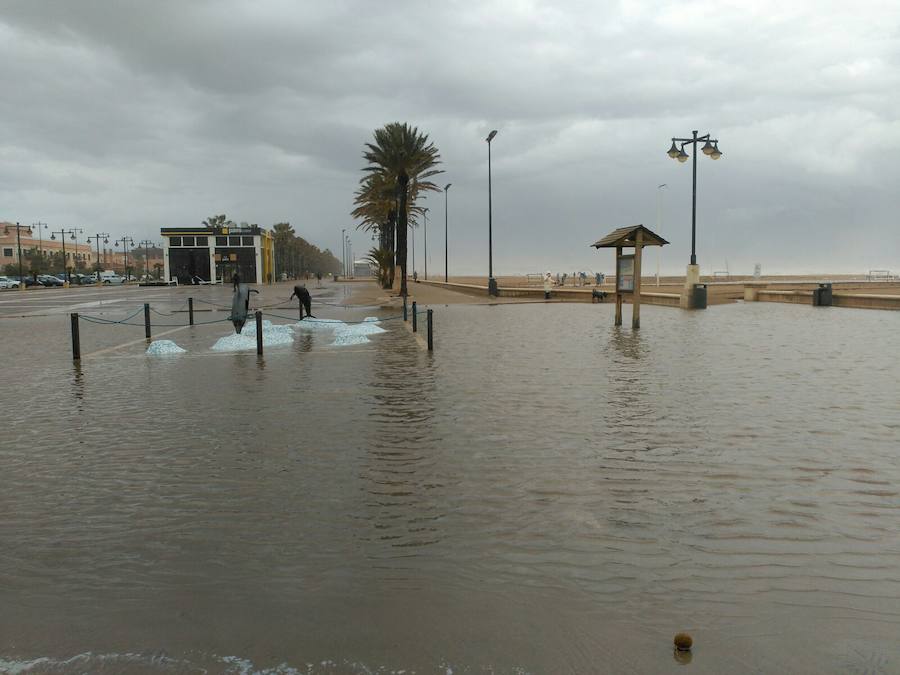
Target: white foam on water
{"type": "Point", "coordinates": [318, 325]}
{"type": "Point", "coordinates": [360, 329]}
{"type": "Point", "coordinates": [274, 335]}
{"type": "Point", "coordinates": [342, 340]}
{"type": "Point", "coordinates": [372, 319]}
{"type": "Point", "coordinates": [198, 662]}
{"type": "Point", "coordinates": [164, 348]}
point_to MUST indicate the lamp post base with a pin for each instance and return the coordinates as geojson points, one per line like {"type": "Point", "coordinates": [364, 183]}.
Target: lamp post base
{"type": "Point", "coordinates": [691, 277]}
{"type": "Point", "coordinates": [492, 287]}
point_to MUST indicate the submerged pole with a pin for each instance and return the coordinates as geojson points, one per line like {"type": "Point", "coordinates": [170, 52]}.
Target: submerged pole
{"type": "Point", "coordinates": [76, 338]}
{"type": "Point", "coordinates": [405, 311]}
{"type": "Point", "coordinates": [415, 326]}
{"type": "Point", "coordinates": [190, 311]}
{"type": "Point", "coordinates": [259, 333]}
{"type": "Point", "coordinates": [431, 330]}
{"type": "Point", "coordinates": [147, 320]}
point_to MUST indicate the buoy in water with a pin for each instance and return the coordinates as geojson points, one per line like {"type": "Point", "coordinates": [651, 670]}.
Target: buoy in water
{"type": "Point", "coordinates": [683, 642]}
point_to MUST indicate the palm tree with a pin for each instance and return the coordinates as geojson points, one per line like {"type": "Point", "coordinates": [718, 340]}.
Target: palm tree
{"type": "Point", "coordinates": [402, 156]}
{"type": "Point", "coordinates": [376, 201]}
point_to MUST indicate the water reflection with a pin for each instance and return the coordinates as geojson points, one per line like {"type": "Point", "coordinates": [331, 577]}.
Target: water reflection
{"type": "Point", "coordinates": [397, 470]}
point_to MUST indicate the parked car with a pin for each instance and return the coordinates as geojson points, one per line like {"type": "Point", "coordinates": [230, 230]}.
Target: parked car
{"type": "Point", "coordinates": [49, 280]}
{"type": "Point", "coordinates": [6, 282]}
{"type": "Point", "coordinates": [82, 279]}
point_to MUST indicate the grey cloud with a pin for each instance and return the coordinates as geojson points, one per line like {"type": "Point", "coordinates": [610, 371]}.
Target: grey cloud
{"type": "Point", "coordinates": [133, 115]}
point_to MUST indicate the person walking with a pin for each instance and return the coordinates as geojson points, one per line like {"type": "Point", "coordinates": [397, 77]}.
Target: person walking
{"type": "Point", "coordinates": [548, 285]}
{"type": "Point", "coordinates": [236, 280]}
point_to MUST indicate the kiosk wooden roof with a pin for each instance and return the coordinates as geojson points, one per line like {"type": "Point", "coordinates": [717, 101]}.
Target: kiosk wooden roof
{"type": "Point", "coordinates": [627, 236]}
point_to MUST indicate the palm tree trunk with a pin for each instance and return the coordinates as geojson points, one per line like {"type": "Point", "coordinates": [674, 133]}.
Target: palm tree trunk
{"type": "Point", "coordinates": [402, 188]}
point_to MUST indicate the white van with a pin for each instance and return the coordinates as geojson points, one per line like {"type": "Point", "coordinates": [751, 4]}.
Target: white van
{"type": "Point", "coordinates": [110, 277]}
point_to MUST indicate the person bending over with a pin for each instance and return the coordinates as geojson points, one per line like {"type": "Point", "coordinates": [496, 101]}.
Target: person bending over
{"type": "Point", "coordinates": [304, 299]}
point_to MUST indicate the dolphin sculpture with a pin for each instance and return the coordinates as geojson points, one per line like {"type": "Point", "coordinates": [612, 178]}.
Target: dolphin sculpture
{"type": "Point", "coordinates": [240, 306]}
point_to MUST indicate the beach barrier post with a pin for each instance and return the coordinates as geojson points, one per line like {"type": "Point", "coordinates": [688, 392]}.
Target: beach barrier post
{"type": "Point", "coordinates": [147, 320]}
{"type": "Point", "coordinates": [259, 333]}
{"type": "Point", "coordinates": [415, 326]}
{"type": "Point", "coordinates": [431, 330]}
{"type": "Point", "coordinates": [190, 311]}
{"type": "Point", "coordinates": [405, 313]}
{"type": "Point", "coordinates": [76, 338]}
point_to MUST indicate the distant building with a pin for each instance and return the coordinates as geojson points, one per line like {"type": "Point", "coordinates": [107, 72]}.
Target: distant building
{"type": "Point", "coordinates": [215, 254]}
{"type": "Point", "coordinates": [363, 268]}
{"type": "Point", "coordinates": [81, 253]}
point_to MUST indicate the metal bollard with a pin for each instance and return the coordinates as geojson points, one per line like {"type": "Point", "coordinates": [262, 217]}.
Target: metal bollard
{"type": "Point", "coordinates": [415, 326]}
{"type": "Point", "coordinates": [76, 338]}
{"type": "Point", "coordinates": [147, 320]}
{"type": "Point", "coordinates": [405, 313]}
{"type": "Point", "coordinates": [431, 330]}
{"type": "Point", "coordinates": [190, 311]}
{"type": "Point", "coordinates": [259, 333]}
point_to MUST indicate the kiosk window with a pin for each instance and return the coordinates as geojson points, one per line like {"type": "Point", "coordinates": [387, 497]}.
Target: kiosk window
{"type": "Point", "coordinates": [174, 241]}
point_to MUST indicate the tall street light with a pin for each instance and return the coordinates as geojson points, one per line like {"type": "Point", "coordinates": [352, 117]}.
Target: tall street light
{"type": "Point", "coordinates": [344, 251]}
{"type": "Point", "coordinates": [446, 256]}
{"type": "Point", "coordinates": [659, 193]}
{"type": "Point", "coordinates": [98, 237]}
{"type": "Point", "coordinates": [62, 236]}
{"type": "Point", "coordinates": [125, 241]}
{"type": "Point", "coordinates": [147, 244]}
{"type": "Point", "coordinates": [492, 283]}
{"type": "Point", "coordinates": [40, 227]}
{"type": "Point", "coordinates": [711, 149]}
{"type": "Point", "coordinates": [425, 217]}
{"type": "Point", "coordinates": [19, 228]}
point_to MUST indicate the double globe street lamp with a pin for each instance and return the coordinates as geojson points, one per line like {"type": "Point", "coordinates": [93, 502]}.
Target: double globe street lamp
{"type": "Point", "coordinates": [710, 149]}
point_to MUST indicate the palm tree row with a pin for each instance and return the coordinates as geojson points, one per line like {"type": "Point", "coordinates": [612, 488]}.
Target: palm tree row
{"type": "Point", "coordinates": [401, 160]}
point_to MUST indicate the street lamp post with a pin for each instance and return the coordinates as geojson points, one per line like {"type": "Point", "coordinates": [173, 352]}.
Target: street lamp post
{"type": "Point", "coordinates": [425, 232]}
{"type": "Point", "coordinates": [711, 149]}
{"type": "Point", "coordinates": [62, 237]}
{"type": "Point", "coordinates": [446, 255]}
{"type": "Point", "coordinates": [659, 193]}
{"type": "Point", "coordinates": [125, 242]}
{"type": "Point", "coordinates": [40, 227]}
{"type": "Point", "coordinates": [492, 283]}
{"type": "Point", "coordinates": [344, 251]}
{"type": "Point", "coordinates": [19, 228]}
{"type": "Point", "coordinates": [146, 243]}
{"type": "Point", "coordinates": [98, 237]}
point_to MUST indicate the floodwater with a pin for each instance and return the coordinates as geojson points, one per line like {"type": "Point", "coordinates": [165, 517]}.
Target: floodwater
{"type": "Point", "coordinates": [544, 493]}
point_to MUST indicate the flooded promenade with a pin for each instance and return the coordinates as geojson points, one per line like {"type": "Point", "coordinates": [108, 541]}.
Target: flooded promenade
{"type": "Point", "coordinates": [544, 493]}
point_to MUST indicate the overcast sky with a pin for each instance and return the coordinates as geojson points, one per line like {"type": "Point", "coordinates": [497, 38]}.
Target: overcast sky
{"type": "Point", "coordinates": [124, 117]}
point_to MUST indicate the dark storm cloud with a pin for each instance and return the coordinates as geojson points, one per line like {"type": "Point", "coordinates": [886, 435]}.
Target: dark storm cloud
{"type": "Point", "coordinates": [131, 115]}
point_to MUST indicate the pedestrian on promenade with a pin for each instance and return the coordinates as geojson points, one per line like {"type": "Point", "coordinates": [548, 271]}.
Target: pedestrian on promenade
{"type": "Point", "coordinates": [236, 280]}
{"type": "Point", "coordinates": [548, 285]}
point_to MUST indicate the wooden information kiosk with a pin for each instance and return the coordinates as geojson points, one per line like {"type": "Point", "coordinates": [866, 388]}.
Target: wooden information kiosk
{"type": "Point", "coordinates": [628, 267]}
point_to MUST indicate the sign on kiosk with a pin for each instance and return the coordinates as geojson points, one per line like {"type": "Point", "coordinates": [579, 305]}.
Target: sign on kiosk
{"type": "Point", "coordinates": [625, 274]}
